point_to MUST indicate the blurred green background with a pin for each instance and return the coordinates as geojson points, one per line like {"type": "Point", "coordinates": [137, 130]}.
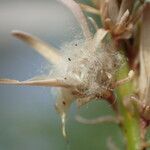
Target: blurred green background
{"type": "Point", "coordinates": [28, 120]}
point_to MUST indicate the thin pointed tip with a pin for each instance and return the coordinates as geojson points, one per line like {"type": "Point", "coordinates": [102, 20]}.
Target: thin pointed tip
{"type": "Point", "coordinates": [63, 120]}
{"type": "Point", "coordinates": [64, 133]}
{"type": "Point", "coordinates": [131, 74]}
{"type": "Point", "coordinates": [19, 33]}
{"type": "Point", "coordinates": [16, 32]}
{"type": "Point", "coordinates": [9, 81]}
{"type": "Point", "coordinates": [24, 36]}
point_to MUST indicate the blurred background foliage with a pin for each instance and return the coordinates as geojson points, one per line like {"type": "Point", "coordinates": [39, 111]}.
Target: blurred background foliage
{"type": "Point", "coordinates": [28, 120]}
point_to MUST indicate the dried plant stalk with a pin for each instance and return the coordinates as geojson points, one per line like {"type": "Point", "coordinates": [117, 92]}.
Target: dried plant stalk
{"type": "Point", "coordinates": [145, 56]}
{"type": "Point", "coordinates": [38, 82]}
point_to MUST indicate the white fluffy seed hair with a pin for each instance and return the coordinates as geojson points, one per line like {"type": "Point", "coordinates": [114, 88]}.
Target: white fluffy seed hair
{"type": "Point", "coordinates": [88, 69]}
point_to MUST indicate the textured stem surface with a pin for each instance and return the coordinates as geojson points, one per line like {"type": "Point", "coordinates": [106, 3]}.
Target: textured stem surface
{"type": "Point", "coordinates": [131, 122]}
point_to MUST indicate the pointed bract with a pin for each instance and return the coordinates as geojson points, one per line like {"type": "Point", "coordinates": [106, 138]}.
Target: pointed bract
{"type": "Point", "coordinates": [42, 48]}
{"type": "Point", "coordinates": [76, 10]}
{"type": "Point", "coordinates": [125, 5]}
{"type": "Point", "coordinates": [38, 82]}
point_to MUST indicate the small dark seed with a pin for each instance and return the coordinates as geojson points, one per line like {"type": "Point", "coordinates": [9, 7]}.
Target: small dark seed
{"type": "Point", "coordinates": [76, 44]}
{"type": "Point", "coordinates": [69, 59]}
{"type": "Point", "coordinates": [64, 103]}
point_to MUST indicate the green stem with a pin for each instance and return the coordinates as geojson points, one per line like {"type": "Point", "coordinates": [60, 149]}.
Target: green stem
{"type": "Point", "coordinates": [131, 122]}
